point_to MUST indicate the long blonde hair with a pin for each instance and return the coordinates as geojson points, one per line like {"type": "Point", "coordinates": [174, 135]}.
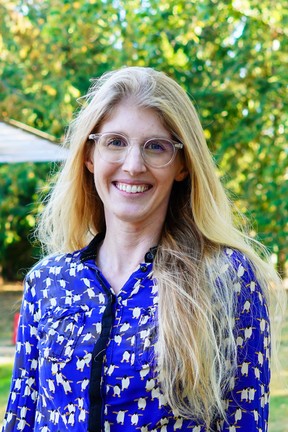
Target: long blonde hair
{"type": "Point", "coordinates": [193, 369]}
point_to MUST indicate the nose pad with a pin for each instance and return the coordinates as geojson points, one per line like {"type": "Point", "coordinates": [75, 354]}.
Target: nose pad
{"type": "Point", "coordinates": [134, 161]}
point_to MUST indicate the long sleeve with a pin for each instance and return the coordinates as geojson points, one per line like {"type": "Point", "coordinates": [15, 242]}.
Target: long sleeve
{"type": "Point", "coordinates": [60, 321]}
{"type": "Point", "coordinates": [248, 401]}
{"type": "Point", "coordinates": [20, 414]}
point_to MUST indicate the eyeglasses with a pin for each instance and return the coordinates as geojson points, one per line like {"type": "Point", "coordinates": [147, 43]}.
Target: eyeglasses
{"type": "Point", "coordinates": [156, 152]}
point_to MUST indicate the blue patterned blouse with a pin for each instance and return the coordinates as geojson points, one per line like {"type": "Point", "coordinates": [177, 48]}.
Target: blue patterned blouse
{"type": "Point", "coordinates": [84, 356]}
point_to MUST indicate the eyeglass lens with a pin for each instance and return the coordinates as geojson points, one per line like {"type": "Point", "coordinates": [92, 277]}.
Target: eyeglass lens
{"type": "Point", "coordinates": [155, 152]}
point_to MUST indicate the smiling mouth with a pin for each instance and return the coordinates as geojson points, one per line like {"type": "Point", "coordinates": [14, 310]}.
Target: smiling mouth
{"type": "Point", "coordinates": [133, 189]}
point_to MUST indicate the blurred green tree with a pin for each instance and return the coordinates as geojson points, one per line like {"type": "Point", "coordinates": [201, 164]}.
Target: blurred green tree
{"type": "Point", "coordinates": [22, 187]}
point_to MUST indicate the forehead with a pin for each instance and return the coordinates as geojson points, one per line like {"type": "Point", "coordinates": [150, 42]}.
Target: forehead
{"type": "Point", "coordinates": [134, 121]}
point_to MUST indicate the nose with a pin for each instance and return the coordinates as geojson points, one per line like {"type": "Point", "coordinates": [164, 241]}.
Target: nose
{"type": "Point", "coordinates": [134, 162]}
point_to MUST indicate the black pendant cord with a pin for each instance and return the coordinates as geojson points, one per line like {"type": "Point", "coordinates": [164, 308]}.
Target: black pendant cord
{"type": "Point", "coordinates": [95, 415]}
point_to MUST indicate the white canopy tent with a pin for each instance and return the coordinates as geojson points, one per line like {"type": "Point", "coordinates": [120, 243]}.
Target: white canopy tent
{"type": "Point", "coordinates": [21, 143]}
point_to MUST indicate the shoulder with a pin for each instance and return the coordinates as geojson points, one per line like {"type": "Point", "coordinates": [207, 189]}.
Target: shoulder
{"type": "Point", "coordinates": [53, 265]}
{"type": "Point", "coordinates": [240, 269]}
{"type": "Point", "coordinates": [241, 265]}
{"type": "Point", "coordinates": [237, 274]}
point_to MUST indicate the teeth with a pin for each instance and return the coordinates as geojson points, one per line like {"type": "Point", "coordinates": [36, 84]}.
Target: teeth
{"type": "Point", "coordinates": [131, 188]}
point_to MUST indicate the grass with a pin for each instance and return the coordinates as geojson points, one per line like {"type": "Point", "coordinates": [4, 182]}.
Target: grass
{"type": "Point", "coordinates": [5, 379]}
{"type": "Point", "coordinates": [10, 301]}
{"type": "Point", "coordinates": [279, 387]}
{"type": "Point", "coordinates": [9, 304]}
{"type": "Point", "coordinates": [278, 414]}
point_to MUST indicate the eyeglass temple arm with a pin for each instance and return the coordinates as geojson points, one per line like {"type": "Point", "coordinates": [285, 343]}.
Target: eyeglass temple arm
{"type": "Point", "coordinates": [93, 136]}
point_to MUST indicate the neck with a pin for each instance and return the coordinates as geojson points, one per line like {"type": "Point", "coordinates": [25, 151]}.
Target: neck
{"type": "Point", "coordinates": [127, 245]}
{"type": "Point", "coordinates": [123, 248]}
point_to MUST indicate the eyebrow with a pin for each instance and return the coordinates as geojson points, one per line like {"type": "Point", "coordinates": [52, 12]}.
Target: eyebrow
{"type": "Point", "coordinates": [144, 139]}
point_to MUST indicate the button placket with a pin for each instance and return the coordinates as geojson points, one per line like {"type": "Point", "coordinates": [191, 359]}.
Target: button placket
{"type": "Point", "coordinates": [115, 337]}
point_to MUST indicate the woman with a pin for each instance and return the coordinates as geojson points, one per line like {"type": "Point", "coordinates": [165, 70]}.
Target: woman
{"type": "Point", "coordinates": [161, 322]}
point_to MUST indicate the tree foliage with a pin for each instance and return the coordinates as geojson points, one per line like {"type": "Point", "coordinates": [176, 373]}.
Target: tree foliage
{"type": "Point", "coordinates": [20, 188]}
{"type": "Point", "coordinates": [229, 55]}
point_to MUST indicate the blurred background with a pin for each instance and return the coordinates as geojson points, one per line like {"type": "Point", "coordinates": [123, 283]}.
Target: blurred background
{"type": "Point", "coordinates": [230, 56]}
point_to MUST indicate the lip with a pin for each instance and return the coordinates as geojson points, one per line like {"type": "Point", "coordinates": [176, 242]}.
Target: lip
{"type": "Point", "coordinates": [132, 188]}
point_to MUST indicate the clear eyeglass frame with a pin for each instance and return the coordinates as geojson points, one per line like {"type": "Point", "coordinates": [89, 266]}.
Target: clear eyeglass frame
{"type": "Point", "coordinates": [151, 158]}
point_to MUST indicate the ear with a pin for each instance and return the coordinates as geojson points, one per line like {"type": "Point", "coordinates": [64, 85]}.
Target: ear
{"type": "Point", "coordinates": [89, 165]}
{"type": "Point", "coordinates": [89, 160]}
{"type": "Point", "coordinates": [182, 174]}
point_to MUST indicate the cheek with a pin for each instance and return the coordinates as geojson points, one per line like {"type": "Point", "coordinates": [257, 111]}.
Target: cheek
{"type": "Point", "coordinates": [166, 185]}
{"type": "Point", "coordinates": [102, 174]}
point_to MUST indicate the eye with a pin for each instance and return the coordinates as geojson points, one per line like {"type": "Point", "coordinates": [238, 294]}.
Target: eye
{"type": "Point", "coordinates": [158, 146]}
{"type": "Point", "coordinates": [115, 142]}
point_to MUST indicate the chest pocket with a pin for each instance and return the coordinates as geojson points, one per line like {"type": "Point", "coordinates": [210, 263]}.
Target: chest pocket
{"type": "Point", "coordinates": [146, 339]}
{"type": "Point", "coordinates": [58, 333]}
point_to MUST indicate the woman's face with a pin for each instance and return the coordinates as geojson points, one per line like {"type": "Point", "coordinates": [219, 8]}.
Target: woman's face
{"type": "Point", "coordinates": [131, 191]}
